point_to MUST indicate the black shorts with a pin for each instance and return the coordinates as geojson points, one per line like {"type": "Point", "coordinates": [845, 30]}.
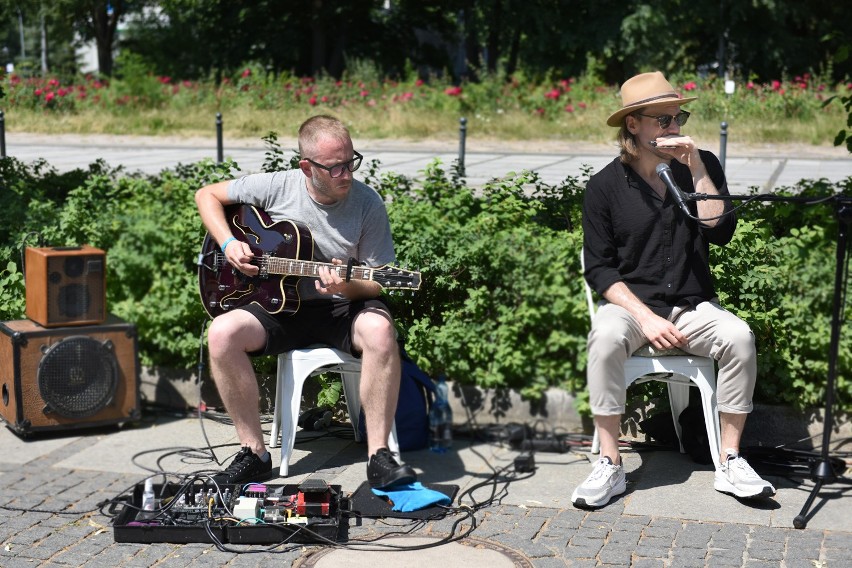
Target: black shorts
{"type": "Point", "coordinates": [317, 321]}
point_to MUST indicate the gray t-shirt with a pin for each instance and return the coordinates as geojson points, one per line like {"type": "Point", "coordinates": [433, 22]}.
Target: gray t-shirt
{"type": "Point", "coordinates": [355, 227]}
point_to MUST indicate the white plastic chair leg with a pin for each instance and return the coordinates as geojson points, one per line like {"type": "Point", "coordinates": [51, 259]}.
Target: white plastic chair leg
{"type": "Point", "coordinates": [294, 368]}
{"type": "Point", "coordinates": [711, 421]}
{"type": "Point", "coordinates": [352, 394]}
{"type": "Point", "coordinates": [703, 376]}
{"type": "Point", "coordinates": [679, 400]}
{"type": "Point", "coordinates": [276, 413]}
{"type": "Point", "coordinates": [289, 400]}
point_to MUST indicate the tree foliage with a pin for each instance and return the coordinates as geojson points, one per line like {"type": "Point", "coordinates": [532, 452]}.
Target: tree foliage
{"type": "Point", "coordinates": [611, 39]}
{"type": "Point", "coordinates": [98, 20]}
{"type": "Point", "coordinates": [40, 30]}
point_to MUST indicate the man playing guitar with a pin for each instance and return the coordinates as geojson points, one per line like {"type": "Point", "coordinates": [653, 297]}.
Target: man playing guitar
{"type": "Point", "coordinates": [347, 219]}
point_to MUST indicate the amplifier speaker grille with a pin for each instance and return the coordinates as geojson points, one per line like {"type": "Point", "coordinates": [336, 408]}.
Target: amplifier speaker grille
{"type": "Point", "coordinates": [68, 377]}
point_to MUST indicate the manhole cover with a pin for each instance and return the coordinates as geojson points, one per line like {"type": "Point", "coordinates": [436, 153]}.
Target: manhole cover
{"type": "Point", "coordinates": [397, 553]}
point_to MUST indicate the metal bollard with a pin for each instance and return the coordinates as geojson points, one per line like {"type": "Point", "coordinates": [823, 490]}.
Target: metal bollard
{"type": "Point", "coordinates": [2, 135]}
{"type": "Point", "coordinates": [462, 137]}
{"type": "Point", "coordinates": [723, 144]}
{"type": "Point", "coordinates": [220, 151]}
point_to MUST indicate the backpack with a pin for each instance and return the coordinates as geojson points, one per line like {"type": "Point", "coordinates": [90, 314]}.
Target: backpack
{"type": "Point", "coordinates": [693, 433]}
{"type": "Point", "coordinates": [416, 392]}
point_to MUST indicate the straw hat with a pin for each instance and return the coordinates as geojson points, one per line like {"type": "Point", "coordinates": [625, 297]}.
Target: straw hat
{"type": "Point", "coordinates": [643, 91]}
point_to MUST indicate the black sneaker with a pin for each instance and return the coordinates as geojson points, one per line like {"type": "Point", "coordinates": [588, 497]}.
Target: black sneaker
{"type": "Point", "coordinates": [246, 467]}
{"type": "Point", "coordinates": [383, 470]}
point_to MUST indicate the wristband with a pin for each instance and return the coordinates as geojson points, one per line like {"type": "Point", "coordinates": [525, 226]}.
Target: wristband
{"type": "Point", "coordinates": [226, 243]}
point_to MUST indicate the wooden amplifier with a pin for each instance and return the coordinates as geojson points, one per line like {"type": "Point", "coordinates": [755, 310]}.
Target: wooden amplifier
{"type": "Point", "coordinates": [68, 377]}
{"type": "Point", "coordinates": [65, 285]}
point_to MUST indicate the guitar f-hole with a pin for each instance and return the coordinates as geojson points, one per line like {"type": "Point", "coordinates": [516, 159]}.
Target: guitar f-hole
{"type": "Point", "coordinates": [246, 231]}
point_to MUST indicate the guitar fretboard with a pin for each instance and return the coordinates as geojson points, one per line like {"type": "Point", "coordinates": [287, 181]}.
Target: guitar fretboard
{"type": "Point", "coordinates": [276, 265]}
{"type": "Point", "coordinates": [292, 267]}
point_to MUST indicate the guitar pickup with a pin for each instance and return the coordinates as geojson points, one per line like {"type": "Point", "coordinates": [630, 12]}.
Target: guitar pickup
{"type": "Point", "coordinates": [263, 266]}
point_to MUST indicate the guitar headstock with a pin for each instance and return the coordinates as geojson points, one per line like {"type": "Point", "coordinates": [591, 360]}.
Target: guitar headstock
{"type": "Point", "coordinates": [393, 278]}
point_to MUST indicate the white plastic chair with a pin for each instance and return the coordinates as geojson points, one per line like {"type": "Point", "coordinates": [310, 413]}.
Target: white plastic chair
{"type": "Point", "coordinates": [294, 368]}
{"type": "Point", "coordinates": [679, 370]}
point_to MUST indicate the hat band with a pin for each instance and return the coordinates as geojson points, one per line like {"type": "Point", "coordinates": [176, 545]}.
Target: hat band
{"type": "Point", "coordinates": [652, 99]}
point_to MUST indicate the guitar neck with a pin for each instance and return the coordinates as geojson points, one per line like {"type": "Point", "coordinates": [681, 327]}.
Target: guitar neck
{"type": "Point", "coordinates": [292, 267]}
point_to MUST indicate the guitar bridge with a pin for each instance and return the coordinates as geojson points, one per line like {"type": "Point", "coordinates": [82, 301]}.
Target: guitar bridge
{"type": "Point", "coordinates": [201, 264]}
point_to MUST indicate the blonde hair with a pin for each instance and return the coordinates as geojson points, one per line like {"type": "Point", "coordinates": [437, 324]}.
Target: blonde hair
{"type": "Point", "coordinates": [629, 152]}
{"type": "Point", "coordinates": [320, 126]}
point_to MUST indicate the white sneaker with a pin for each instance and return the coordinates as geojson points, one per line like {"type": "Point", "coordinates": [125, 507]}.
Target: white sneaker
{"type": "Point", "coordinates": [736, 477]}
{"type": "Point", "coordinates": [605, 482]}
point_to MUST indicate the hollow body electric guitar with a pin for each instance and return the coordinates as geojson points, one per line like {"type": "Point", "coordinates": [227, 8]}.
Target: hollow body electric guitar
{"type": "Point", "coordinates": [283, 252]}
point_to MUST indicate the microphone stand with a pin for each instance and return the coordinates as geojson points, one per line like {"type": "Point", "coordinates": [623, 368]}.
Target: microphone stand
{"type": "Point", "coordinates": [822, 471]}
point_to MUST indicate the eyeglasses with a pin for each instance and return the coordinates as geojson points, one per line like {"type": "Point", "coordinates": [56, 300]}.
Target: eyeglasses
{"type": "Point", "coordinates": [338, 169]}
{"type": "Point", "coordinates": [665, 120]}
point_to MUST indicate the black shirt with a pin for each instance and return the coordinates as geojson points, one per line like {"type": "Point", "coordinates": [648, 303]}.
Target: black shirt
{"type": "Point", "coordinates": [631, 235]}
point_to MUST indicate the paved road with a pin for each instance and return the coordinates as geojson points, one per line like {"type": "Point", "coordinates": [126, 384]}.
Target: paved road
{"type": "Point", "coordinates": [767, 168]}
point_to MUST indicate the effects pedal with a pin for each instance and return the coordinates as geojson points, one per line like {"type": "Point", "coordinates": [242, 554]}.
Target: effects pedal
{"type": "Point", "coordinates": [255, 513]}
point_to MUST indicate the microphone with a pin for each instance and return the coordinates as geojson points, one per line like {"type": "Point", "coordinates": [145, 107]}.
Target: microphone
{"type": "Point", "coordinates": [665, 173]}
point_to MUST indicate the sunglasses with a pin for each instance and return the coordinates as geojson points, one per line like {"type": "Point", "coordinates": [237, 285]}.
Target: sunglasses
{"type": "Point", "coordinates": [337, 170]}
{"type": "Point", "coordinates": [665, 120]}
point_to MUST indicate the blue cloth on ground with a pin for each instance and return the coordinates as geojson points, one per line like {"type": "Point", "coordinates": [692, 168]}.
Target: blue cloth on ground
{"type": "Point", "coordinates": [408, 497]}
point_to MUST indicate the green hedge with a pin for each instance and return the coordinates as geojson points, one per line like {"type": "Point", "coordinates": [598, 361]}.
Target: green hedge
{"type": "Point", "coordinates": [502, 301]}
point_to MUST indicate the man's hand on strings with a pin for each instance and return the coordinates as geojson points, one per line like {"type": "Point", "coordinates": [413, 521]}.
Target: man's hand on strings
{"type": "Point", "coordinates": [239, 255]}
{"type": "Point", "coordinates": [329, 280]}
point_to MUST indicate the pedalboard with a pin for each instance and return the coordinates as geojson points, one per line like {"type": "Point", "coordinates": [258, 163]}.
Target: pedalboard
{"type": "Point", "coordinates": [254, 513]}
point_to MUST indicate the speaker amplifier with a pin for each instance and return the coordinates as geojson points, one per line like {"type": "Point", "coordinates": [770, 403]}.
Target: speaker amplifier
{"type": "Point", "coordinates": [66, 285]}
{"type": "Point", "coordinates": [69, 377]}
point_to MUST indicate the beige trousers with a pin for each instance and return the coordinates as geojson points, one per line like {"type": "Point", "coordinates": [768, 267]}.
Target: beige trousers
{"type": "Point", "coordinates": [711, 330]}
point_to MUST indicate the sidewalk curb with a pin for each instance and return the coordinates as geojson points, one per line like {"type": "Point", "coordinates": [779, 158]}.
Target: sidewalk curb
{"type": "Point", "coordinates": [768, 425]}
